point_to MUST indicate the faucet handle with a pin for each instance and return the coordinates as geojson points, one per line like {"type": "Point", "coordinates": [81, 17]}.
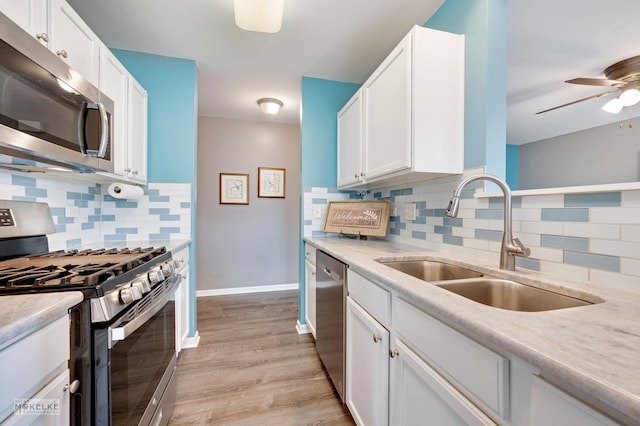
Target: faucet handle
{"type": "Point", "coordinates": [522, 250]}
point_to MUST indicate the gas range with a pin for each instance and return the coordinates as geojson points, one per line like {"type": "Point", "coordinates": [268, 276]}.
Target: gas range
{"type": "Point", "coordinates": [128, 313]}
{"type": "Point", "coordinates": [111, 278]}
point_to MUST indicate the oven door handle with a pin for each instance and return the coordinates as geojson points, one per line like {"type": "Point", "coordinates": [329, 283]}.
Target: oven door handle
{"type": "Point", "coordinates": [121, 333]}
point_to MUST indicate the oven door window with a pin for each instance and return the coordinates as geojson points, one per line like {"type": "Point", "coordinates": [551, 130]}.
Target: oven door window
{"type": "Point", "coordinates": [138, 364]}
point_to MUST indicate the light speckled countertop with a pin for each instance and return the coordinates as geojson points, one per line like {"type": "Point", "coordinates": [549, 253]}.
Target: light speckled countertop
{"type": "Point", "coordinates": [21, 315]}
{"type": "Point", "coordinates": [594, 349]}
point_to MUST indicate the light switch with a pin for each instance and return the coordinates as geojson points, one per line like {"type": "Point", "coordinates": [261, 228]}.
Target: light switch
{"type": "Point", "coordinates": [410, 211]}
{"type": "Point", "coordinates": [71, 211]}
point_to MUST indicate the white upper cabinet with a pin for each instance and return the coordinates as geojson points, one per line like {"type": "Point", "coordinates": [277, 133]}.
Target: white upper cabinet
{"type": "Point", "coordinates": [137, 140]}
{"type": "Point", "coordinates": [30, 15]}
{"type": "Point", "coordinates": [114, 82]}
{"type": "Point", "coordinates": [412, 125]}
{"type": "Point", "coordinates": [350, 142]}
{"type": "Point", "coordinates": [73, 41]}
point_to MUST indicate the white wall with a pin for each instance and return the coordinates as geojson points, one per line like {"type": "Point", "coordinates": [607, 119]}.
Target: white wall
{"type": "Point", "coordinates": [253, 245]}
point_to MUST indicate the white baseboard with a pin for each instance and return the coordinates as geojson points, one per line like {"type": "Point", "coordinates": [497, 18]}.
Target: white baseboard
{"type": "Point", "coordinates": [243, 290]}
{"type": "Point", "coordinates": [191, 342]}
{"type": "Point", "coordinates": [302, 328]}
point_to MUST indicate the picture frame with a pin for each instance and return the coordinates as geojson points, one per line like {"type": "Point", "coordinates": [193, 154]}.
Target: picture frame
{"type": "Point", "coordinates": [271, 182]}
{"type": "Point", "coordinates": [360, 217]}
{"type": "Point", "coordinates": [234, 188]}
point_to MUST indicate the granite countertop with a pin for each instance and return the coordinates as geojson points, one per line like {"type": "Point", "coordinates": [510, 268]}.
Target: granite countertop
{"type": "Point", "coordinates": [21, 315]}
{"type": "Point", "coordinates": [594, 349]}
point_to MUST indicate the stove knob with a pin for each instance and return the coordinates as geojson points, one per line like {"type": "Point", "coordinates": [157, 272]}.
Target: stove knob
{"type": "Point", "coordinates": [126, 295]}
{"type": "Point", "coordinates": [143, 282]}
{"type": "Point", "coordinates": [168, 268]}
{"type": "Point", "coordinates": [155, 276]}
{"type": "Point", "coordinates": [138, 290]}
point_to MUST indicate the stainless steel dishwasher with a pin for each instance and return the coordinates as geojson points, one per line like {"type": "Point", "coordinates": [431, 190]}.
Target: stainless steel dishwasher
{"type": "Point", "coordinates": [330, 315]}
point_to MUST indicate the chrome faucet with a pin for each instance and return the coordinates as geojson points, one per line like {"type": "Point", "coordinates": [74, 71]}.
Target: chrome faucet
{"type": "Point", "coordinates": [511, 246]}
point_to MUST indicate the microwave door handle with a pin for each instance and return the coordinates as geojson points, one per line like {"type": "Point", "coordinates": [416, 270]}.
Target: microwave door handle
{"type": "Point", "coordinates": [104, 131]}
{"type": "Point", "coordinates": [82, 135]}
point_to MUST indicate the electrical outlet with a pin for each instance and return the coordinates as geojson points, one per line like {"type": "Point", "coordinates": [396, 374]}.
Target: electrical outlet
{"type": "Point", "coordinates": [317, 212]}
{"type": "Point", "coordinates": [410, 211]}
{"type": "Point", "coordinates": [394, 211]}
{"type": "Point", "coordinates": [71, 211]}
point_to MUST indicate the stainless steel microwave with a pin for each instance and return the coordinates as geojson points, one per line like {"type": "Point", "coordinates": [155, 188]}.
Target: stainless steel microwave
{"type": "Point", "coordinates": [49, 113]}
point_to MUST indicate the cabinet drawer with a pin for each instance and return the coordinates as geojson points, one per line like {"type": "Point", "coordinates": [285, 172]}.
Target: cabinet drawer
{"type": "Point", "coordinates": [480, 372]}
{"type": "Point", "coordinates": [373, 298]}
{"type": "Point", "coordinates": [310, 253]}
{"type": "Point", "coordinates": [31, 362]}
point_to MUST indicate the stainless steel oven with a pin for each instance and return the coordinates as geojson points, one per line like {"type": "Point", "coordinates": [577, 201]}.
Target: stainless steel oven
{"type": "Point", "coordinates": [48, 112]}
{"type": "Point", "coordinates": [137, 384]}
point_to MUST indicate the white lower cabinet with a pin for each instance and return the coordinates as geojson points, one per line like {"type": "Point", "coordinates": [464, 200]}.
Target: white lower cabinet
{"type": "Point", "coordinates": [552, 407]}
{"type": "Point", "coordinates": [367, 367]}
{"type": "Point", "coordinates": [182, 299]}
{"type": "Point", "coordinates": [420, 396]}
{"type": "Point", "coordinates": [310, 296]}
{"type": "Point", "coordinates": [36, 367]}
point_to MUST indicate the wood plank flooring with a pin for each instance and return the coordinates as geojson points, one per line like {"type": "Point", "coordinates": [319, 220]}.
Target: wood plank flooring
{"type": "Point", "coordinates": [252, 367]}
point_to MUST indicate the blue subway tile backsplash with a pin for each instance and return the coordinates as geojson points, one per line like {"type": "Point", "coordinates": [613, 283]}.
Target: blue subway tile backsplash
{"type": "Point", "coordinates": [565, 215]}
{"type": "Point", "coordinates": [601, 199]}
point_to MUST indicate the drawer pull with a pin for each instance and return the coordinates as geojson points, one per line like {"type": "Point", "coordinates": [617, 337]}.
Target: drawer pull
{"type": "Point", "coordinates": [43, 36]}
{"type": "Point", "coordinates": [376, 338]}
{"type": "Point", "coordinates": [393, 353]}
{"type": "Point", "coordinates": [62, 53]}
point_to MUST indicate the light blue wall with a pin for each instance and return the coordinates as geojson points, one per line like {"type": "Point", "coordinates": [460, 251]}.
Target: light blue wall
{"type": "Point", "coordinates": [483, 22]}
{"type": "Point", "coordinates": [171, 85]}
{"type": "Point", "coordinates": [321, 101]}
{"type": "Point", "coordinates": [513, 166]}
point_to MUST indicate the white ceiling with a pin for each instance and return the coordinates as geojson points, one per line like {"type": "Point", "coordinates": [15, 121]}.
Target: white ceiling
{"type": "Point", "coordinates": [331, 39]}
{"type": "Point", "coordinates": [549, 41]}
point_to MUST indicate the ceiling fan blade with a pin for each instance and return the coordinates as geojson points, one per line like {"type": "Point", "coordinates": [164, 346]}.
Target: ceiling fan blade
{"type": "Point", "coordinates": [596, 82]}
{"type": "Point", "coordinates": [577, 101]}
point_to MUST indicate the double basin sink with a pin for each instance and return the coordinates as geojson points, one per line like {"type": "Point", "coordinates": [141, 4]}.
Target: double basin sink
{"type": "Point", "coordinates": [481, 288]}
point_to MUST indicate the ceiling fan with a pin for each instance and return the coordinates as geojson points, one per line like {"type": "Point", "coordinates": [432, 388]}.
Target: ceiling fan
{"type": "Point", "coordinates": [623, 76]}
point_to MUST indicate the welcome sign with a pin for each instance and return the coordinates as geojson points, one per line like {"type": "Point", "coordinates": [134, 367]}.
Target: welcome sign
{"type": "Point", "coordinates": [363, 217]}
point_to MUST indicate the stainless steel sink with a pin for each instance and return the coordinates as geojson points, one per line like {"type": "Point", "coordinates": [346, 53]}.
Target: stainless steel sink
{"type": "Point", "coordinates": [429, 270]}
{"type": "Point", "coordinates": [505, 294]}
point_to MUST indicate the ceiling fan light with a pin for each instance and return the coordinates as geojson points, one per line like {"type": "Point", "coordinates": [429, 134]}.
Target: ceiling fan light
{"type": "Point", "coordinates": [629, 97]}
{"type": "Point", "coordinates": [270, 106]}
{"type": "Point", "coordinates": [259, 15]}
{"type": "Point", "coordinates": [614, 106]}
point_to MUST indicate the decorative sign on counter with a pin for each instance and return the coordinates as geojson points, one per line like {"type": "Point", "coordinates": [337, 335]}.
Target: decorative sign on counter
{"type": "Point", "coordinates": [363, 218]}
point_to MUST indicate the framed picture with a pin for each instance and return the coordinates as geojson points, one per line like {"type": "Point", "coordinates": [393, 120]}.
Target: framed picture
{"type": "Point", "coordinates": [234, 188]}
{"type": "Point", "coordinates": [271, 182]}
{"type": "Point", "coordinates": [362, 217]}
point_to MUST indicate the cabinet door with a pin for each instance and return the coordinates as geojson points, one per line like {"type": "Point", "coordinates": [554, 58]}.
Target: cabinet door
{"type": "Point", "coordinates": [310, 296]}
{"type": "Point", "coordinates": [367, 393]}
{"type": "Point", "coordinates": [182, 310]}
{"type": "Point", "coordinates": [419, 393]}
{"type": "Point", "coordinates": [350, 144]}
{"type": "Point", "coordinates": [114, 82]}
{"type": "Point", "coordinates": [73, 41]}
{"type": "Point", "coordinates": [552, 407]}
{"type": "Point", "coordinates": [137, 131]}
{"type": "Point", "coordinates": [387, 114]}
{"type": "Point", "coordinates": [30, 15]}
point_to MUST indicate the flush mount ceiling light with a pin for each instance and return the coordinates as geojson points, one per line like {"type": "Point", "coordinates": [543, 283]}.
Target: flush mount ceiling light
{"type": "Point", "coordinates": [270, 106]}
{"type": "Point", "coordinates": [259, 15]}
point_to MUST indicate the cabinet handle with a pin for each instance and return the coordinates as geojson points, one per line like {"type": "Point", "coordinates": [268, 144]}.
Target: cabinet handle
{"type": "Point", "coordinates": [362, 174]}
{"type": "Point", "coordinates": [376, 338]}
{"type": "Point", "coordinates": [43, 36]}
{"type": "Point", "coordinates": [355, 176]}
{"type": "Point", "coordinates": [393, 353]}
{"type": "Point", "coordinates": [135, 172]}
{"type": "Point", "coordinates": [127, 170]}
{"type": "Point", "coordinates": [72, 387]}
{"type": "Point", "coordinates": [62, 53]}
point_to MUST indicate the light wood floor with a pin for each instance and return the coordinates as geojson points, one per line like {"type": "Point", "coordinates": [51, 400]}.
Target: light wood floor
{"type": "Point", "coordinates": [252, 368]}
